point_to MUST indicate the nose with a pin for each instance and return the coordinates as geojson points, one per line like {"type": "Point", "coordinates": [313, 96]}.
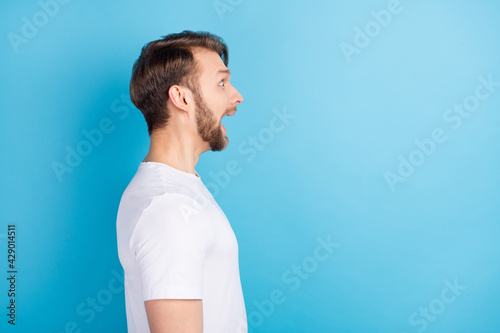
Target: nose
{"type": "Point", "coordinates": [237, 98]}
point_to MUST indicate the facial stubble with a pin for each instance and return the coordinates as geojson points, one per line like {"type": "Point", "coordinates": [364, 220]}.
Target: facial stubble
{"type": "Point", "coordinates": [208, 125]}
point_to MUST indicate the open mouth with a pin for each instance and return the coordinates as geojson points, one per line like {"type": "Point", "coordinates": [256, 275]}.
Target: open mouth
{"type": "Point", "coordinates": [227, 114]}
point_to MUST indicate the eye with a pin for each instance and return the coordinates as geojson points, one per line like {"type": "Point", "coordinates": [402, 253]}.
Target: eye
{"type": "Point", "coordinates": [222, 81]}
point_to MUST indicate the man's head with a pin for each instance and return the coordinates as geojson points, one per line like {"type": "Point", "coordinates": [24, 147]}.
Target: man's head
{"type": "Point", "coordinates": [185, 75]}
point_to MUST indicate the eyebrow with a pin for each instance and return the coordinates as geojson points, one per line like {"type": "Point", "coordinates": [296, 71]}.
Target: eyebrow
{"type": "Point", "coordinates": [223, 70]}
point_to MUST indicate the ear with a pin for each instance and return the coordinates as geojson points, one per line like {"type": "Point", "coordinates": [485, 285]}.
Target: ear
{"type": "Point", "coordinates": [181, 97]}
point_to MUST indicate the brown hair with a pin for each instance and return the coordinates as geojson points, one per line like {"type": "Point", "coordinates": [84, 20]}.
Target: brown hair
{"type": "Point", "coordinates": [166, 62]}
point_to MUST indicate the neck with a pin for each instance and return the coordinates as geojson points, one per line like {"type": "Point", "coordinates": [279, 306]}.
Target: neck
{"type": "Point", "coordinates": [173, 148]}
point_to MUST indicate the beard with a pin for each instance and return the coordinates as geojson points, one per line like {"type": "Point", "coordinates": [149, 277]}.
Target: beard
{"type": "Point", "coordinates": [208, 126]}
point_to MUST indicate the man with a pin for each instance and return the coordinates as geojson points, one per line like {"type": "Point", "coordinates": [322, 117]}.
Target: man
{"type": "Point", "coordinates": [176, 246]}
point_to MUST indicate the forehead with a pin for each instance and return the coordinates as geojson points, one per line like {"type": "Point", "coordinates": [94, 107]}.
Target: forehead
{"type": "Point", "coordinates": [210, 62]}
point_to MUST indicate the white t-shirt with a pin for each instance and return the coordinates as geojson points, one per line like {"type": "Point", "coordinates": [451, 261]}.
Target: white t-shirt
{"type": "Point", "coordinates": [174, 242]}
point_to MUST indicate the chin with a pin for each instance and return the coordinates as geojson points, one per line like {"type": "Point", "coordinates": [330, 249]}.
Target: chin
{"type": "Point", "coordinates": [221, 146]}
{"type": "Point", "coordinates": [220, 143]}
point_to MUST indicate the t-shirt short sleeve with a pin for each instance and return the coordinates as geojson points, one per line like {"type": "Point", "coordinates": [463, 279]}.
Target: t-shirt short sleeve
{"type": "Point", "coordinates": [170, 242]}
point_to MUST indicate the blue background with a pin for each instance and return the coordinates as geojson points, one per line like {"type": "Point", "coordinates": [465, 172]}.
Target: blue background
{"type": "Point", "coordinates": [322, 175]}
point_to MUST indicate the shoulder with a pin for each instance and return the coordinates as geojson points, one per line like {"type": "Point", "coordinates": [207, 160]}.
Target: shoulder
{"type": "Point", "coordinates": [171, 203]}
{"type": "Point", "coordinates": [170, 217]}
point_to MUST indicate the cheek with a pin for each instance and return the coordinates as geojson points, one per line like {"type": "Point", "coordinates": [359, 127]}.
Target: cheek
{"type": "Point", "coordinates": [217, 97]}
{"type": "Point", "coordinates": [219, 103]}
